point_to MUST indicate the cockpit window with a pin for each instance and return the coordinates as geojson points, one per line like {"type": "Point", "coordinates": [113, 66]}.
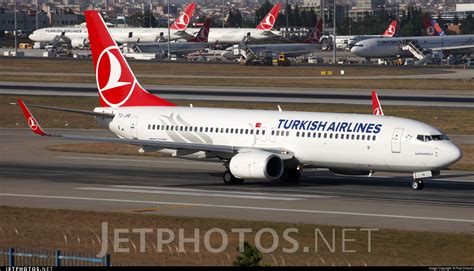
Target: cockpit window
{"type": "Point", "coordinates": [440, 137]}
{"type": "Point", "coordinates": [427, 138]}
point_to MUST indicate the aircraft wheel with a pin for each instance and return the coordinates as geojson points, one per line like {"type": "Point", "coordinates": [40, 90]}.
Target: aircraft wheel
{"type": "Point", "coordinates": [231, 179]}
{"type": "Point", "coordinates": [291, 176]}
{"type": "Point", "coordinates": [417, 185]}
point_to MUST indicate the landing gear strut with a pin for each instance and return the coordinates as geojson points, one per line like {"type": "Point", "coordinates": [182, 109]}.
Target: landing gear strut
{"type": "Point", "coordinates": [417, 185]}
{"type": "Point", "coordinates": [230, 179]}
{"type": "Point", "coordinates": [291, 176]}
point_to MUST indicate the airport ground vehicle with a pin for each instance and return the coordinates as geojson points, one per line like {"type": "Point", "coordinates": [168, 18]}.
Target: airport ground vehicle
{"type": "Point", "coordinates": [253, 144]}
{"type": "Point", "coordinates": [283, 60]}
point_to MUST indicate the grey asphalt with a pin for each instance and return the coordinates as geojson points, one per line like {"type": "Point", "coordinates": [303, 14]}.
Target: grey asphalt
{"type": "Point", "coordinates": [33, 177]}
{"type": "Point", "coordinates": [260, 94]}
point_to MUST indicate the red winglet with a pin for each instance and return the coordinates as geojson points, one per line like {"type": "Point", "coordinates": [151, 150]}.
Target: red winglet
{"type": "Point", "coordinates": [376, 107]}
{"type": "Point", "coordinates": [30, 119]}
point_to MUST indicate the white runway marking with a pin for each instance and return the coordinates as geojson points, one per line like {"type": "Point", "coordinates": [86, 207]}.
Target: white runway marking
{"type": "Point", "coordinates": [197, 193]}
{"type": "Point", "coordinates": [158, 161]}
{"type": "Point", "coordinates": [242, 207]}
{"type": "Point", "coordinates": [226, 191]}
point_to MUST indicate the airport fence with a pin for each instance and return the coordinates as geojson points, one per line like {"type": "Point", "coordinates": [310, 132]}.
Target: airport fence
{"type": "Point", "coordinates": [35, 257]}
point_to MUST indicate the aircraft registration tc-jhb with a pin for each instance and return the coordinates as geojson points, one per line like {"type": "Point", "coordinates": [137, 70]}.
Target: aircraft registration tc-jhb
{"type": "Point", "coordinates": [253, 144]}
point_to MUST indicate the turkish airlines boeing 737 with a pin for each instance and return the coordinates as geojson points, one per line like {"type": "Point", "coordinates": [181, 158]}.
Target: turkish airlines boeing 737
{"type": "Point", "coordinates": [253, 144]}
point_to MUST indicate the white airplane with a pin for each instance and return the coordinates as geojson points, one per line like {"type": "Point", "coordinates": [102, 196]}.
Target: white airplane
{"type": "Point", "coordinates": [393, 47]}
{"type": "Point", "coordinates": [263, 30]}
{"type": "Point", "coordinates": [347, 42]}
{"type": "Point", "coordinates": [197, 43]}
{"type": "Point", "coordinates": [310, 45]}
{"type": "Point", "coordinates": [77, 37]}
{"type": "Point", "coordinates": [253, 144]}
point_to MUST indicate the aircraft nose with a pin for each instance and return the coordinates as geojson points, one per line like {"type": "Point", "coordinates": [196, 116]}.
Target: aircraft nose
{"type": "Point", "coordinates": [453, 154]}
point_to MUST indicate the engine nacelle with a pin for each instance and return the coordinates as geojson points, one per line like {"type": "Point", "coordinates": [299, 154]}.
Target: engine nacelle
{"type": "Point", "coordinates": [256, 165]}
{"type": "Point", "coordinates": [79, 43]}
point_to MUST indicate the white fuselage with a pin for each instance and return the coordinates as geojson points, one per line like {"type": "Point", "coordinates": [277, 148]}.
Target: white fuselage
{"type": "Point", "coordinates": [325, 140]}
{"type": "Point", "coordinates": [78, 35]}
{"type": "Point", "coordinates": [346, 42]}
{"type": "Point", "coordinates": [392, 47]}
{"type": "Point", "coordinates": [235, 35]}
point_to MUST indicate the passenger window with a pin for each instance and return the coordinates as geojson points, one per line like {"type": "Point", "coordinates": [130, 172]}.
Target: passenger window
{"type": "Point", "coordinates": [330, 135]}
{"type": "Point", "coordinates": [309, 134]}
{"type": "Point", "coordinates": [246, 131]}
{"type": "Point", "coordinates": [373, 138]}
{"type": "Point", "coordinates": [251, 131]}
{"type": "Point", "coordinates": [278, 133]}
{"type": "Point", "coordinates": [222, 130]}
{"type": "Point", "coordinates": [314, 134]}
{"type": "Point", "coordinates": [273, 132]}
{"type": "Point", "coordinates": [358, 137]}
{"type": "Point", "coordinates": [287, 133]}
{"type": "Point", "coordinates": [200, 129]}
{"type": "Point", "coordinates": [335, 136]}
{"type": "Point", "coordinates": [231, 130]}
{"type": "Point", "coordinates": [302, 134]}
{"type": "Point", "coordinates": [172, 128]}
{"type": "Point", "coordinates": [241, 131]}
{"type": "Point", "coordinates": [167, 127]}
{"type": "Point", "coordinates": [297, 134]}
{"type": "Point", "coordinates": [207, 129]}
{"type": "Point", "coordinates": [195, 129]}
{"type": "Point", "coordinates": [181, 128]}
{"type": "Point", "coordinates": [226, 130]}
{"type": "Point", "coordinates": [325, 135]}
{"type": "Point", "coordinates": [319, 135]}
{"type": "Point", "coordinates": [363, 137]}
{"type": "Point", "coordinates": [263, 132]}
{"type": "Point", "coordinates": [257, 132]}
{"type": "Point", "coordinates": [352, 137]}
{"type": "Point", "coordinates": [211, 129]}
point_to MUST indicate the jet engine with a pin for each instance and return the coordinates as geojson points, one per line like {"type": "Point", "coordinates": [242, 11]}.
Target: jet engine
{"type": "Point", "coordinates": [256, 165]}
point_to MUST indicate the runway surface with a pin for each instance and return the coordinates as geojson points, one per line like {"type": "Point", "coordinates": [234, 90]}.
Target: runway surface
{"type": "Point", "coordinates": [33, 177]}
{"type": "Point", "coordinates": [303, 95]}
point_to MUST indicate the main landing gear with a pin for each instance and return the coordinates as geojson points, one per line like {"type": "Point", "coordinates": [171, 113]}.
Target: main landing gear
{"type": "Point", "coordinates": [291, 176]}
{"type": "Point", "coordinates": [231, 179]}
{"type": "Point", "coordinates": [417, 185]}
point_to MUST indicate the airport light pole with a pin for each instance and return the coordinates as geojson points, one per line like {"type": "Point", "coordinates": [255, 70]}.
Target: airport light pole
{"type": "Point", "coordinates": [36, 14]}
{"type": "Point", "coordinates": [14, 32]}
{"type": "Point", "coordinates": [169, 32]}
{"type": "Point", "coordinates": [334, 37]}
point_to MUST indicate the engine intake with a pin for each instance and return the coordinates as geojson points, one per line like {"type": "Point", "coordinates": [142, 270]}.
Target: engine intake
{"type": "Point", "coordinates": [256, 165]}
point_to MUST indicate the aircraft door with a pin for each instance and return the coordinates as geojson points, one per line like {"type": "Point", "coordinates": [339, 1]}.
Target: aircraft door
{"type": "Point", "coordinates": [133, 127]}
{"type": "Point", "coordinates": [397, 140]}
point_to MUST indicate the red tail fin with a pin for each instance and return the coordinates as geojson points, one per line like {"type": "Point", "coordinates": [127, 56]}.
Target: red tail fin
{"type": "Point", "coordinates": [181, 23]}
{"type": "Point", "coordinates": [203, 33]}
{"type": "Point", "coordinates": [269, 20]}
{"type": "Point", "coordinates": [376, 107]}
{"type": "Point", "coordinates": [315, 34]}
{"type": "Point", "coordinates": [429, 29]}
{"type": "Point", "coordinates": [116, 82]}
{"type": "Point", "coordinates": [391, 29]}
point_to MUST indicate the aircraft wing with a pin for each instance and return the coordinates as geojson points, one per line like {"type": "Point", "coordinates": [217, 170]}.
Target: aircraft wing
{"type": "Point", "coordinates": [224, 149]}
{"type": "Point", "coordinates": [457, 47]}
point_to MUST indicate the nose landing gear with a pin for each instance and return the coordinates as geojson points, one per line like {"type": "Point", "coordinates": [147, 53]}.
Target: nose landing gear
{"type": "Point", "coordinates": [417, 185]}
